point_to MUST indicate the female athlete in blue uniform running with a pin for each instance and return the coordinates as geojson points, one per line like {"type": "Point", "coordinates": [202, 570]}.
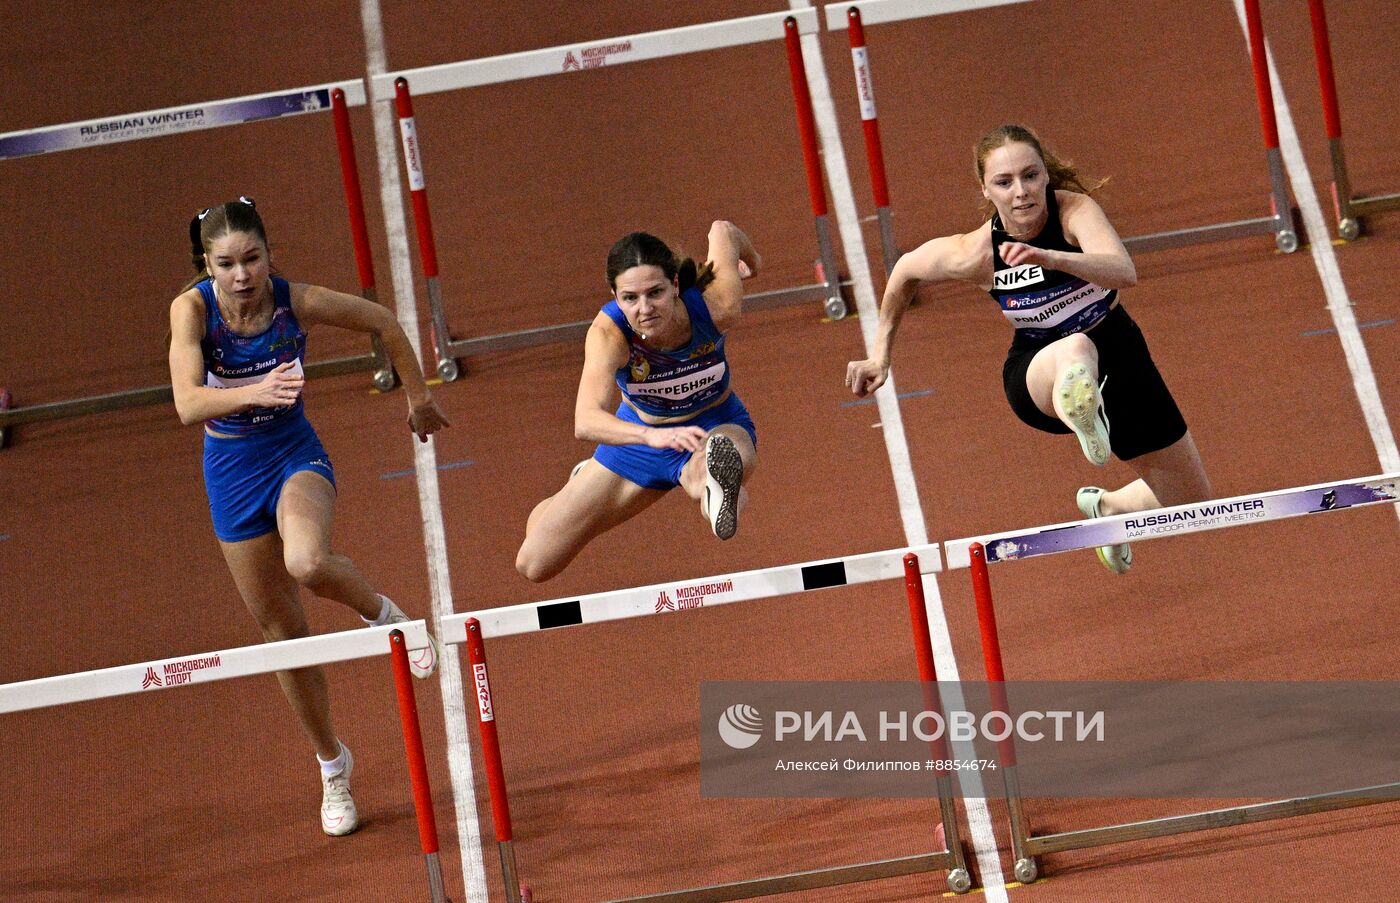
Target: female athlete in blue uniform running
{"type": "Point", "coordinates": [238, 336]}
{"type": "Point", "coordinates": [660, 342]}
{"type": "Point", "coordinates": [1050, 258]}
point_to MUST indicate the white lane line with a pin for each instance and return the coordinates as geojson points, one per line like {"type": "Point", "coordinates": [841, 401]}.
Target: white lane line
{"type": "Point", "coordinates": [1363, 379]}
{"type": "Point", "coordinates": [979, 818]}
{"type": "Point", "coordinates": [425, 466]}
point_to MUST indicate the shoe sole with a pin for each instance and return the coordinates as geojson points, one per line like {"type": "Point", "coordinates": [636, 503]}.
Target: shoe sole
{"type": "Point", "coordinates": [724, 470]}
{"type": "Point", "coordinates": [1079, 399]}
{"type": "Point", "coordinates": [1117, 559]}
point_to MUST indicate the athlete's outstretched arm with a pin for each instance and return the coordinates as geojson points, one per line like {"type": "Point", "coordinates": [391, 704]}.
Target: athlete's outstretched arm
{"type": "Point", "coordinates": [949, 257]}
{"type": "Point", "coordinates": [315, 305]}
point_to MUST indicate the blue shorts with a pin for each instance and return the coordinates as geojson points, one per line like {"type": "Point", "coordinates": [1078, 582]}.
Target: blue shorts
{"type": "Point", "coordinates": [660, 468]}
{"type": "Point", "coordinates": [245, 476]}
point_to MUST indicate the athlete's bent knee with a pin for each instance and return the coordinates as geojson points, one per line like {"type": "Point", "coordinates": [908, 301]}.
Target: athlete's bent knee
{"type": "Point", "coordinates": [305, 567]}
{"type": "Point", "coordinates": [533, 567]}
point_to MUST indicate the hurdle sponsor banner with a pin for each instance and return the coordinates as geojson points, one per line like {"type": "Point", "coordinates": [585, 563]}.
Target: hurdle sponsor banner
{"type": "Point", "coordinates": [875, 12]}
{"type": "Point", "coordinates": [171, 120]}
{"type": "Point", "coordinates": [413, 160]}
{"type": "Point", "coordinates": [1142, 739]}
{"type": "Point", "coordinates": [188, 670]}
{"type": "Point", "coordinates": [703, 592]}
{"type": "Point", "coordinates": [1197, 518]}
{"type": "Point", "coordinates": [573, 58]}
{"type": "Point", "coordinates": [483, 692]}
{"type": "Point", "coordinates": [865, 87]}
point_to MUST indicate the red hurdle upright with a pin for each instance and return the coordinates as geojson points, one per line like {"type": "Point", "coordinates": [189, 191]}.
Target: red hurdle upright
{"type": "Point", "coordinates": [359, 229]}
{"type": "Point", "coordinates": [423, 223]}
{"type": "Point", "coordinates": [811, 157]}
{"type": "Point", "coordinates": [870, 124]}
{"type": "Point", "coordinates": [1348, 208]}
{"type": "Point", "coordinates": [959, 880]}
{"type": "Point", "coordinates": [417, 764]}
{"type": "Point", "coordinates": [491, 753]}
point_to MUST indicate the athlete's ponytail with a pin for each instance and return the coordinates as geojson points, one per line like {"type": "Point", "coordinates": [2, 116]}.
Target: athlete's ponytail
{"type": "Point", "coordinates": [1063, 175]}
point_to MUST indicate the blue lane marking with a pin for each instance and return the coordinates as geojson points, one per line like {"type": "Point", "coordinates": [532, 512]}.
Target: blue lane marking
{"type": "Point", "coordinates": [441, 467]}
{"type": "Point", "coordinates": [4, 536]}
{"type": "Point", "coordinates": [917, 393]}
{"type": "Point", "coordinates": [1358, 326]}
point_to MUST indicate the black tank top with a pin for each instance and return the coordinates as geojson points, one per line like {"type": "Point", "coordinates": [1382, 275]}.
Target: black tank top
{"type": "Point", "coordinates": [1041, 304]}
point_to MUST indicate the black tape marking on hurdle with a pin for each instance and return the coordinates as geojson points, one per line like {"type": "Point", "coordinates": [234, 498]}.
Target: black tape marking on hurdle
{"type": "Point", "coordinates": [822, 576]}
{"type": "Point", "coordinates": [560, 614]}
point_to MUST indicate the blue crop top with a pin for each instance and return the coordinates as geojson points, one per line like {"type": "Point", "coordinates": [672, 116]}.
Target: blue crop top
{"type": "Point", "coordinates": [679, 382]}
{"type": "Point", "coordinates": [232, 360]}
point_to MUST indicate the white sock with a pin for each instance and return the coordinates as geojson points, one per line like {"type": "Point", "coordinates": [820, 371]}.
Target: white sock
{"type": "Point", "coordinates": [384, 609]}
{"type": "Point", "coordinates": [334, 766]}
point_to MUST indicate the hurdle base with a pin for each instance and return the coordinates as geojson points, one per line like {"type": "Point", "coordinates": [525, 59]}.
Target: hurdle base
{"type": "Point", "coordinates": [1180, 238]}
{"type": "Point", "coordinates": [828, 877]}
{"type": "Point", "coordinates": [1350, 212]}
{"type": "Point", "coordinates": [564, 332]}
{"type": "Point", "coordinates": [134, 398]}
{"type": "Point", "coordinates": [1214, 818]}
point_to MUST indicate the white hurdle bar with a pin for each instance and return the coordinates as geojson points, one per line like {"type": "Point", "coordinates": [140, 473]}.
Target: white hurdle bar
{"type": "Point", "coordinates": [1176, 521]}
{"type": "Point", "coordinates": [702, 592]}
{"type": "Point", "coordinates": [635, 48]}
{"type": "Point", "coordinates": [206, 667]}
{"type": "Point", "coordinates": [173, 120]}
{"type": "Point", "coordinates": [877, 12]}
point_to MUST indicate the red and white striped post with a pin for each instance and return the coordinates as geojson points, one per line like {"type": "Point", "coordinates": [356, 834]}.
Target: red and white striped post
{"type": "Point", "coordinates": [1025, 866]}
{"type": "Point", "coordinates": [870, 123]}
{"type": "Point", "coordinates": [959, 880]}
{"type": "Point", "coordinates": [1285, 233]}
{"type": "Point", "coordinates": [491, 753]}
{"type": "Point", "coordinates": [423, 222]}
{"type": "Point", "coordinates": [811, 156]}
{"type": "Point", "coordinates": [359, 230]}
{"type": "Point", "coordinates": [417, 764]}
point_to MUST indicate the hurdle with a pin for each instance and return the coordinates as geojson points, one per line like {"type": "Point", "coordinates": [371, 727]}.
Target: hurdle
{"type": "Point", "coordinates": [472, 629]}
{"type": "Point", "coordinates": [855, 14]}
{"type": "Point", "coordinates": [979, 552]}
{"type": "Point", "coordinates": [1348, 207]}
{"type": "Point", "coordinates": [572, 59]}
{"type": "Point", "coordinates": [395, 640]}
{"type": "Point", "coordinates": [333, 96]}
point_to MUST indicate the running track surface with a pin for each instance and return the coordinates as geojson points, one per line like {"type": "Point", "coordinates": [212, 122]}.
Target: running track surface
{"type": "Point", "coordinates": [108, 559]}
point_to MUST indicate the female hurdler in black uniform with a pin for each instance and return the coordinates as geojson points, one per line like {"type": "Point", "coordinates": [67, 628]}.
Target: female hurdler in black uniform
{"type": "Point", "coordinates": [1078, 363]}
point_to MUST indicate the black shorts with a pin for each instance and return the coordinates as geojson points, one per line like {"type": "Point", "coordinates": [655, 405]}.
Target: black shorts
{"type": "Point", "coordinates": [1142, 415]}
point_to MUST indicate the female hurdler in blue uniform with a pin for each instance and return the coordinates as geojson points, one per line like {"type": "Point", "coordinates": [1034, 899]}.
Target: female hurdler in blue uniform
{"type": "Point", "coordinates": [660, 341]}
{"type": "Point", "coordinates": [238, 335]}
{"type": "Point", "coordinates": [1078, 363]}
